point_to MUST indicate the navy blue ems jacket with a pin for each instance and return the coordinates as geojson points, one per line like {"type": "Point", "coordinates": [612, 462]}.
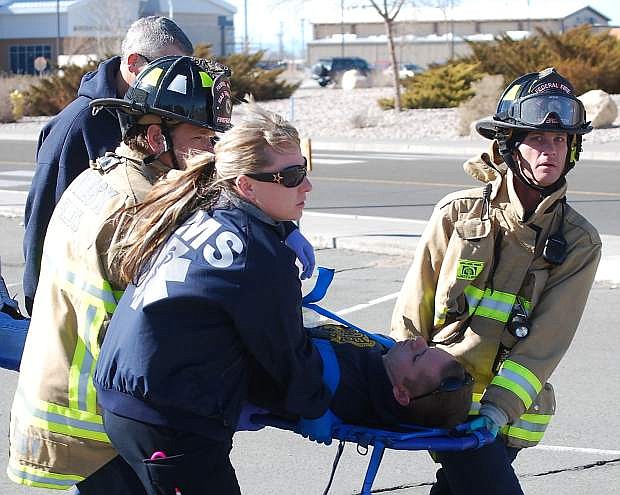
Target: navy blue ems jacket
{"type": "Point", "coordinates": [67, 144]}
{"type": "Point", "coordinates": [222, 293]}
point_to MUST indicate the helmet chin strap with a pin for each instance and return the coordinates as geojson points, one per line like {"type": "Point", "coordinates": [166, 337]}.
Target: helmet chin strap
{"type": "Point", "coordinates": [517, 170]}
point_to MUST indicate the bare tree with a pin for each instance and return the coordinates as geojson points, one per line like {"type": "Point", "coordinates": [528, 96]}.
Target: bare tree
{"type": "Point", "coordinates": [388, 12]}
{"type": "Point", "coordinates": [446, 7]}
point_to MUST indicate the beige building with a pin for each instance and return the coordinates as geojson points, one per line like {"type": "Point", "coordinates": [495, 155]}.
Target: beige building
{"type": "Point", "coordinates": [430, 35]}
{"type": "Point", "coordinates": [49, 28]}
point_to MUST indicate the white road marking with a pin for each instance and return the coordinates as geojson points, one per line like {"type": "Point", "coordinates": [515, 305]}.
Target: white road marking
{"type": "Point", "coordinates": [580, 450]}
{"type": "Point", "coordinates": [363, 217]}
{"type": "Point", "coordinates": [18, 173]}
{"type": "Point", "coordinates": [13, 183]}
{"type": "Point", "coordinates": [334, 161]}
{"type": "Point", "coordinates": [365, 305]}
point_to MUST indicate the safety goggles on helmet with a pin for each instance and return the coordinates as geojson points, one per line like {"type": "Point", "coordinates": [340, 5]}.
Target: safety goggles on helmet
{"type": "Point", "coordinates": [449, 384]}
{"type": "Point", "coordinates": [557, 110]}
{"type": "Point", "coordinates": [290, 176]}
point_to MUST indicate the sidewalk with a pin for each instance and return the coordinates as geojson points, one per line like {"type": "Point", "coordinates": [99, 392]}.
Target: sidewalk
{"type": "Point", "coordinates": [399, 237]}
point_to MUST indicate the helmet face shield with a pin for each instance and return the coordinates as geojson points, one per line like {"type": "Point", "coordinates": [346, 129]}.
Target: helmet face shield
{"type": "Point", "coordinates": [554, 110]}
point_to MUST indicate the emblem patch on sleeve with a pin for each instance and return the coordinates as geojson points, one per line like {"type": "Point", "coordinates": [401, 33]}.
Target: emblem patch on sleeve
{"type": "Point", "coordinates": [469, 269]}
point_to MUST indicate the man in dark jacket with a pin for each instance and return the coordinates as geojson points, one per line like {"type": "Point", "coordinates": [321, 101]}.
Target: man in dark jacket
{"type": "Point", "coordinates": [407, 383]}
{"type": "Point", "coordinates": [77, 136]}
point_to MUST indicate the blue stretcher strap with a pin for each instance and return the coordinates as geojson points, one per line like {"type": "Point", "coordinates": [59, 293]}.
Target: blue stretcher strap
{"type": "Point", "coordinates": [324, 279]}
{"type": "Point", "coordinates": [331, 369]}
{"type": "Point", "coordinates": [12, 340]}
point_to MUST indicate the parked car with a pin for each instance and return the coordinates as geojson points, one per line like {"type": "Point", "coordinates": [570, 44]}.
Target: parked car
{"type": "Point", "coordinates": [330, 70]}
{"type": "Point", "coordinates": [404, 70]}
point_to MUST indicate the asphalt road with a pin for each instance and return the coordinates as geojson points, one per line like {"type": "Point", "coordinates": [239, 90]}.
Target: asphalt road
{"type": "Point", "coordinates": [388, 184]}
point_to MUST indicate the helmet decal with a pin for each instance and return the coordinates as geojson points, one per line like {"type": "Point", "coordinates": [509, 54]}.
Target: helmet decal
{"type": "Point", "coordinates": [179, 84]}
{"type": "Point", "coordinates": [152, 77]}
{"type": "Point", "coordinates": [222, 108]}
{"type": "Point", "coordinates": [207, 82]}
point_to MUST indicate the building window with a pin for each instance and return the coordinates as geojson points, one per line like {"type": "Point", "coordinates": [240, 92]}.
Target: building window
{"type": "Point", "coordinates": [22, 57]}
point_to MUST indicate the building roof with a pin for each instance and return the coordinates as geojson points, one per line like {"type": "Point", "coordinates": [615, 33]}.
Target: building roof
{"type": "Point", "coordinates": [381, 39]}
{"type": "Point", "coordinates": [50, 6]}
{"type": "Point", "coordinates": [506, 11]}
{"type": "Point", "coordinates": [35, 6]}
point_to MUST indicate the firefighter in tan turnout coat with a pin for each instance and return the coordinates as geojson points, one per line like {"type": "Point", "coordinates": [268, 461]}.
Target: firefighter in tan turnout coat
{"type": "Point", "coordinates": [502, 274]}
{"type": "Point", "coordinates": [57, 437]}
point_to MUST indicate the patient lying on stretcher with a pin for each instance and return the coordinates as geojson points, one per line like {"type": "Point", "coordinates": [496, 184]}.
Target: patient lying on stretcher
{"type": "Point", "coordinates": [410, 383]}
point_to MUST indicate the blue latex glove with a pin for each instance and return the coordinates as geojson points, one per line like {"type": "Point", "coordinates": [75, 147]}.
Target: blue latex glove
{"type": "Point", "coordinates": [481, 422]}
{"type": "Point", "coordinates": [245, 422]}
{"type": "Point", "coordinates": [320, 429]}
{"type": "Point", "coordinates": [304, 251]}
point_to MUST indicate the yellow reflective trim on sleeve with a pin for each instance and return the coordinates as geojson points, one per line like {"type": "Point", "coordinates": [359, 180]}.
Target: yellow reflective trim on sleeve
{"type": "Point", "coordinates": [206, 79]}
{"type": "Point", "coordinates": [525, 373]}
{"type": "Point", "coordinates": [152, 77]}
{"type": "Point", "coordinates": [530, 436]}
{"type": "Point", "coordinates": [515, 388]}
{"type": "Point", "coordinates": [541, 419]}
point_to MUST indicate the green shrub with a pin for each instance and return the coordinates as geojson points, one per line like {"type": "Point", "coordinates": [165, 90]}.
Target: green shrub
{"type": "Point", "coordinates": [248, 78]}
{"type": "Point", "coordinates": [50, 94]}
{"type": "Point", "coordinates": [589, 60]}
{"type": "Point", "coordinates": [439, 87]}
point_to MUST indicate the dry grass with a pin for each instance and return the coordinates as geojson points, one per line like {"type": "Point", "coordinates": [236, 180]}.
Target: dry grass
{"type": "Point", "coordinates": [8, 84]}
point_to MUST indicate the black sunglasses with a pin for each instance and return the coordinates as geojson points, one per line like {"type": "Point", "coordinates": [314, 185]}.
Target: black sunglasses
{"type": "Point", "coordinates": [449, 384]}
{"type": "Point", "coordinates": [289, 177]}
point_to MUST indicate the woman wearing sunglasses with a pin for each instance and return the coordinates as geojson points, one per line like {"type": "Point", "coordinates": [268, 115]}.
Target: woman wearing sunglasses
{"type": "Point", "coordinates": [213, 291]}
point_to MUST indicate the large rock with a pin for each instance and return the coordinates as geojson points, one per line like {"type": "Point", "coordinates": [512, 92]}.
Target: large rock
{"type": "Point", "coordinates": [601, 110]}
{"type": "Point", "coordinates": [352, 79]}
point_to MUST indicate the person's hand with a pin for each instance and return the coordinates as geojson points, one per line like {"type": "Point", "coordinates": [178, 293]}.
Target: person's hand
{"type": "Point", "coordinates": [491, 418]}
{"type": "Point", "coordinates": [304, 251]}
{"type": "Point", "coordinates": [320, 429]}
{"type": "Point", "coordinates": [245, 422]}
{"type": "Point", "coordinates": [481, 422]}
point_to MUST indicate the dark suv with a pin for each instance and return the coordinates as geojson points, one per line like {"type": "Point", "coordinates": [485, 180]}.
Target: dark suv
{"type": "Point", "coordinates": [327, 70]}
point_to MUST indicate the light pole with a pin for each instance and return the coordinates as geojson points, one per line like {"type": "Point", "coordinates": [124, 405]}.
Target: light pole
{"type": "Point", "coordinates": [170, 10]}
{"type": "Point", "coordinates": [57, 31]}
{"type": "Point", "coordinates": [246, 47]}
{"type": "Point", "coordinates": [342, 28]}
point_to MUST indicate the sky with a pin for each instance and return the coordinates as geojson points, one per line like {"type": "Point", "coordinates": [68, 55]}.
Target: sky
{"type": "Point", "coordinates": [268, 18]}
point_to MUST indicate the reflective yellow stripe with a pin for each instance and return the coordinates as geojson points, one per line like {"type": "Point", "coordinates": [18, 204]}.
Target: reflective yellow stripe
{"type": "Point", "coordinates": [474, 408]}
{"type": "Point", "coordinates": [514, 388]}
{"type": "Point", "coordinates": [519, 380]}
{"type": "Point", "coordinates": [542, 419]}
{"type": "Point", "coordinates": [29, 476]}
{"type": "Point", "coordinates": [82, 394]}
{"type": "Point", "coordinates": [59, 419]}
{"type": "Point", "coordinates": [493, 304]}
{"type": "Point", "coordinates": [530, 436]}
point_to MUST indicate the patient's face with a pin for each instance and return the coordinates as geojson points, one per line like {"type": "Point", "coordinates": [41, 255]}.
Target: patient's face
{"type": "Point", "coordinates": [413, 361]}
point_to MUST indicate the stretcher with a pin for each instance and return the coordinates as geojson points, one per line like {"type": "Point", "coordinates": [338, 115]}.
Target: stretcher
{"type": "Point", "coordinates": [401, 437]}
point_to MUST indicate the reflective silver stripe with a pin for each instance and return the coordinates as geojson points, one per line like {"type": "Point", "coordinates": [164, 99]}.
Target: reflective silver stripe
{"type": "Point", "coordinates": [62, 484]}
{"type": "Point", "coordinates": [103, 294]}
{"type": "Point", "coordinates": [519, 380]}
{"type": "Point", "coordinates": [85, 376]}
{"type": "Point", "coordinates": [58, 419]}
{"type": "Point", "coordinates": [529, 426]}
{"type": "Point", "coordinates": [495, 305]}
